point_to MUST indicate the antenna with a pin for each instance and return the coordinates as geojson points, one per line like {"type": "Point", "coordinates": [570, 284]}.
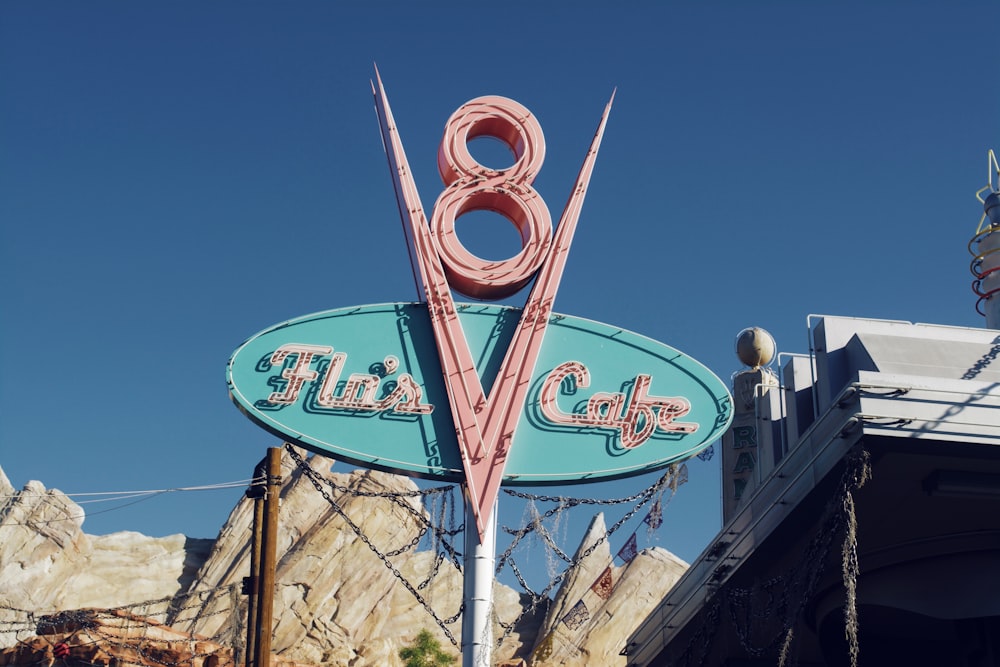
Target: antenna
{"type": "Point", "coordinates": [993, 186]}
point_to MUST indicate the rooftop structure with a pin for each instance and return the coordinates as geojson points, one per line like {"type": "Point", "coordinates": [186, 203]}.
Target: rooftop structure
{"type": "Point", "coordinates": [862, 510]}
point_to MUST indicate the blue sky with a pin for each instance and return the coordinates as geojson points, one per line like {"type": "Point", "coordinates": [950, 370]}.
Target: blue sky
{"type": "Point", "coordinates": [175, 177]}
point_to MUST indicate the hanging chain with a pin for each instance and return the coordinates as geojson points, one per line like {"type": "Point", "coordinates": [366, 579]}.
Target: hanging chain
{"type": "Point", "coordinates": [858, 472]}
{"type": "Point", "coordinates": [680, 471]}
{"type": "Point", "coordinates": [786, 596]}
{"type": "Point", "coordinates": [319, 483]}
{"type": "Point", "coordinates": [397, 497]}
{"type": "Point", "coordinates": [704, 637]}
{"type": "Point", "coordinates": [670, 478]}
{"type": "Point", "coordinates": [565, 503]}
{"type": "Point", "coordinates": [521, 580]}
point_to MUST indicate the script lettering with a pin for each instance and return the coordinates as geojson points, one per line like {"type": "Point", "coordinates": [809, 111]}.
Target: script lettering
{"type": "Point", "coordinates": [360, 390]}
{"type": "Point", "coordinates": [299, 373]}
{"type": "Point", "coordinates": [635, 416]}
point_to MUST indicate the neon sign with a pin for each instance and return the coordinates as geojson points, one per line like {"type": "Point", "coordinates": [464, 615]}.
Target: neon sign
{"type": "Point", "coordinates": [369, 432]}
{"type": "Point", "coordinates": [635, 416]}
{"type": "Point", "coordinates": [360, 390]}
{"type": "Point", "coordinates": [510, 378]}
{"type": "Point", "coordinates": [486, 422]}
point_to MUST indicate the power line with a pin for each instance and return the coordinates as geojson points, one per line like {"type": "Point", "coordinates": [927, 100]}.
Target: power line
{"type": "Point", "coordinates": [113, 496]}
{"type": "Point", "coordinates": [124, 495]}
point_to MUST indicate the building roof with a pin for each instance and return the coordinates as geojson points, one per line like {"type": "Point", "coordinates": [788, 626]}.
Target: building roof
{"type": "Point", "coordinates": [916, 406]}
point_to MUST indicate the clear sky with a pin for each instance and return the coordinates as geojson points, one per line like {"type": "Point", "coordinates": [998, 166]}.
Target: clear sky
{"type": "Point", "coordinates": [175, 177]}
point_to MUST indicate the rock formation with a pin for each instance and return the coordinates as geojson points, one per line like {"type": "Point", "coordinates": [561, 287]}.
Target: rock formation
{"type": "Point", "coordinates": [337, 602]}
{"type": "Point", "coordinates": [608, 602]}
{"type": "Point", "coordinates": [48, 563]}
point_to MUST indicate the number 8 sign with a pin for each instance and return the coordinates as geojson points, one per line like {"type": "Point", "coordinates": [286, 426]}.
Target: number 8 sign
{"type": "Point", "coordinates": [472, 187]}
{"type": "Point", "coordinates": [485, 424]}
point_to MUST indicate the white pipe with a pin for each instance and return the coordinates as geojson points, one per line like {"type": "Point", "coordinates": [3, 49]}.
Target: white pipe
{"type": "Point", "coordinates": [477, 589]}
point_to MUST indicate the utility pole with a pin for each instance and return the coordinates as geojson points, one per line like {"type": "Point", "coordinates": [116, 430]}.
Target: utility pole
{"type": "Point", "coordinates": [256, 491]}
{"type": "Point", "coordinates": [265, 546]}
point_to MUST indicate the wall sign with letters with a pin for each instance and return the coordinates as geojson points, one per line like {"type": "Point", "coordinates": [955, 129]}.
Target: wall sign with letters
{"type": "Point", "coordinates": [364, 385]}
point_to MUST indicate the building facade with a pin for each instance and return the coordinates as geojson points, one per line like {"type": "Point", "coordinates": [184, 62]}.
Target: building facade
{"type": "Point", "coordinates": [867, 529]}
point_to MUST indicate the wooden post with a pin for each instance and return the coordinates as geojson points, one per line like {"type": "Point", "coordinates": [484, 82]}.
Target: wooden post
{"type": "Point", "coordinates": [268, 560]}
{"type": "Point", "coordinates": [251, 584]}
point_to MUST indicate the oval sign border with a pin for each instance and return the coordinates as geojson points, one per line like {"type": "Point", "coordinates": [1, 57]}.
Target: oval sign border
{"type": "Point", "coordinates": [542, 451]}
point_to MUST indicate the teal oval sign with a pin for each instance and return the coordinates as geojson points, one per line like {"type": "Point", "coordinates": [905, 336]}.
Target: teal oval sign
{"type": "Point", "coordinates": [364, 385]}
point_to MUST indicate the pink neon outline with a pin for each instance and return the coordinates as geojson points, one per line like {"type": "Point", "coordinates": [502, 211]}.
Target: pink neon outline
{"type": "Point", "coordinates": [484, 455]}
{"type": "Point", "coordinates": [406, 397]}
{"type": "Point", "coordinates": [519, 364]}
{"type": "Point", "coordinates": [606, 410]}
{"type": "Point", "coordinates": [360, 389]}
{"type": "Point", "coordinates": [297, 374]}
{"type": "Point", "coordinates": [326, 398]}
{"type": "Point", "coordinates": [471, 186]}
{"type": "Point", "coordinates": [458, 368]}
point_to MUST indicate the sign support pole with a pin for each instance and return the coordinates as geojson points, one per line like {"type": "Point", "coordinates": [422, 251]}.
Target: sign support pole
{"type": "Point", "coordinates": [477, 588]}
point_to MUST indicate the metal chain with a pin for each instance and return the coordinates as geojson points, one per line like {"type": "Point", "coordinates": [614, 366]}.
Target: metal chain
{"type": "Point", "coordinates": [565, 503]}
{"type": "Point", "coordinates": [371, 494]}
{"type": "Point", "coordinates": [705, 635]}
{"type": "Point", "coordinates": [800, 582]}
{"type": "Point", "coordinates": [521, 580]}
{"type": "Point", "coordinates": [859, 473]}
{"type": "Point", "coordinates": [318, 483]}
{"type": "Point", "coordinates": [439, 541]}
{"type": "Point", "coordinates": [397, 497]}
{"type": "Point", "coordinates": [536, 526]}
{"type": "Point", "coordinates": [572, 502]}
{"type": "Point", "coordinates": [438, 559]}
{"type": "Point", "coordinates": [451, 619]}
{"type": "Point", "coordinates": [412, 543]}
{"type": "Point", "coordinates": [150, 655]}
{"type": "Point", "coordinates": [642, 498]}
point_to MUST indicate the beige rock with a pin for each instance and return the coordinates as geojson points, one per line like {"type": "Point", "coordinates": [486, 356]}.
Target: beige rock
{"type": "Point", "coordinates": [578, 580]}
{"type": "Point", "coordinates": [48, 563]}
{"type": "Point", "coordinates": [337, 602]}
{"type": "Point", "coordinates": [638, 588]}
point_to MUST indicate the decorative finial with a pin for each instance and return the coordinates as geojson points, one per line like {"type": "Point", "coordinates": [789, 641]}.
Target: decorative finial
{"type": "Point", "coordinates": [755, 347]}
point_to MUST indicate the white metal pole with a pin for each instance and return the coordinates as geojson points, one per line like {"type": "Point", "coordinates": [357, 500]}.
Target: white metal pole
{"type": "Point", "coordinates": [989, 258]}
{"type": "Point", "coordinates": [477, 589]}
